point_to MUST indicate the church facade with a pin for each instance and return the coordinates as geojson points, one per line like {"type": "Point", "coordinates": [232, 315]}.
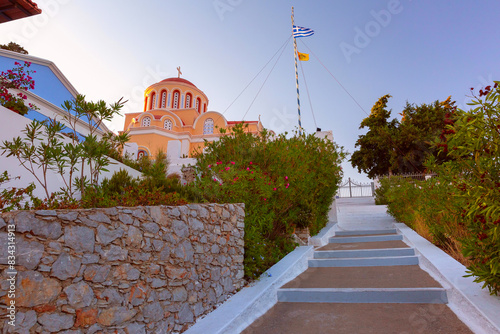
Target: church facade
{"type": "Point", "coordinates": [176, 120]}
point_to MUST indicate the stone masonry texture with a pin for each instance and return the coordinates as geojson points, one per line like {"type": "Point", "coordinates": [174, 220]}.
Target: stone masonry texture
{"type": "Point", "coordinates": [121, 270]}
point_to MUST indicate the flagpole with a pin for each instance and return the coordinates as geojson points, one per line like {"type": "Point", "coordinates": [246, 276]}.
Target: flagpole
{"type": "Point", "coordinates": [296, 75]}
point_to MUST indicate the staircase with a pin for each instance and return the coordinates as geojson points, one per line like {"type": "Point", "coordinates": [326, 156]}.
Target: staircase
{"type": "Point", "coordinates": [362, 281]}
{"type": "Point", "coordinates": [370, 273]}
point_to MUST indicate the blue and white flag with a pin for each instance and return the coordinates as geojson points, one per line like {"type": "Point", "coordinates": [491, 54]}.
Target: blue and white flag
{"type": "Point", "coordinates": [302, 32]}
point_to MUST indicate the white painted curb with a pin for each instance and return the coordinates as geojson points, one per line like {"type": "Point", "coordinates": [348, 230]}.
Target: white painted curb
{"type": "Point", "coordinates": [321, 239]}
{"type": "Point", "coordinates": [252, 302]}
{"type": "Point", "coordinates": [473, 305]}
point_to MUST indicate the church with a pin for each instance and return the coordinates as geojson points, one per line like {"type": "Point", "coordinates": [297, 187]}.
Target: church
{"type": "Point", "coordinates": [176, 120]}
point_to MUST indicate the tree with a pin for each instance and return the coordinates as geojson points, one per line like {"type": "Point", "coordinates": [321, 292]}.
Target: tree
{"type": "Point", "coordinates": [401, 146]}
{"type": "Point", "coordinates": [14, 47]}
{"type": "Point", "coordinates": [420, 126]}
{"type": "Point", "coordinates": [376, 153]}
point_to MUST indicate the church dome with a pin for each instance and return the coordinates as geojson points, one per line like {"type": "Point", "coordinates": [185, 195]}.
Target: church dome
{"type": "Point", "coordinates": [179, 80]}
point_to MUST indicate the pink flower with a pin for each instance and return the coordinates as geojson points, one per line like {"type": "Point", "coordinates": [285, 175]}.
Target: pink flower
{"type": "Point", "coordinates": [274, 189]}
{"type": "Point", "coordinates": [220, 184]}
{"type": "Point", "coordinates": [251, 163]}
{"type": "Point", "coordinates": [248, 168]}
{"type": "Point", "coordinates": [286, 177]}
{"type": "Point", "coordinates": [209, 166]}
{"type": "Point", "coordinates": [265, 199]}
{"type": "Point", "coordinates": [233, 162]}
{"type": "Point", "coordinates": [228, 168]}
{"type": "Point", "coordinates": [251, 172]}
{"type": "Point", "coordinates": [219, 162]}
{"type": "Point", "coordinates": [287, 185]}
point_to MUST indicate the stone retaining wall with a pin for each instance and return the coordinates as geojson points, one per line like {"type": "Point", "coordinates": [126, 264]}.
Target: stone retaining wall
{"type": "Point", "coordinates": [121, 270]}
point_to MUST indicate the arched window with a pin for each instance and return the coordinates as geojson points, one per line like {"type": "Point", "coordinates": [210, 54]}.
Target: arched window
{"type": "Point", "coordinates": [163, 99]}
{"type": "Point", "coordinates": [141, 154]}
{"type": "Point", "coordinates": [197, 105]}
{"type": "Point", "coordinates": [153, 101]}
{"type": "Point", "coordinates": [188, 100]}
{"type": "Point", "coordinates": [208, 127]}
{"type": "Point", "coordinates": [204, 107]}
{"type": "Point", "coordinates": [145, 103]}
{"type": "Point", "coordinates": [146, 121]}
{"type": "Point", "coordinates": [167, 124]}
{"type": "Point", "coordinates": [175, 104]}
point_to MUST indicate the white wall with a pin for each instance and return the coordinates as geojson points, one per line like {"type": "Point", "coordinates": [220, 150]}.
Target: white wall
{"type": "Point", "coordinates": [11, 126]}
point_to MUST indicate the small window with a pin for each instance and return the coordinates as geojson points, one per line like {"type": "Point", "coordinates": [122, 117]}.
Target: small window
{"type": "Point", "coordinates": [163, 99]}
{"type": "Point", "coordinates": [188, 101]}
{"type": "Point", "coordinates": [197, 105]}
{"type": "Point", "coordinates": [176, 100]}
{"type": "Point", "coordinates": [141, 154]}
{"type": "Point", "coordinates": [208, 127]}
{"type": "Point", "coordinates": [146, 121]}
{"type": "Point", "coordinates": [153, 101]}
{"type": "Point", "coordinates": [167, 124]}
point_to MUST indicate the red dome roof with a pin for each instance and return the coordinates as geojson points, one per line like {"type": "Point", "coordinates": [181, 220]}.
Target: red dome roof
{"type": "Point", "coordinates": [179, 80]}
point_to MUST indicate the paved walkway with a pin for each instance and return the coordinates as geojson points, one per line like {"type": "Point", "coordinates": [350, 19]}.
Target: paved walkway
{"type": "Point", "coordinates": [366, 280]}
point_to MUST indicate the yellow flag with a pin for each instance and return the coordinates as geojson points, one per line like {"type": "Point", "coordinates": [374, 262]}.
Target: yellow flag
{"type": "Point", "coordinates": [303, 56]}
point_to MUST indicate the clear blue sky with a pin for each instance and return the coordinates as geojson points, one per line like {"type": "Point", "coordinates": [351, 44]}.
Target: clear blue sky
{"type": "Point", "coordinates": [417, 51]}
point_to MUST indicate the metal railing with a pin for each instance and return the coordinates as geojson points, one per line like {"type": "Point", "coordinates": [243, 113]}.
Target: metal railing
{"type": "Point", "coordinates": [351, 188]}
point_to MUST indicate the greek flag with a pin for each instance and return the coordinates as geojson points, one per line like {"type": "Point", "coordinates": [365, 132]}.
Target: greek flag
{"type": "Point", "coordinates": [302, 32]}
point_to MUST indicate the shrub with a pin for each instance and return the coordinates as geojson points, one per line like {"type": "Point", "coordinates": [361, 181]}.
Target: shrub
{"type": "Point", "coordinates": [284, 183]}
{"type": "Point", "coordinates": [472, 140]}
{"type": "Point", "coordinates": [460, 209]}
{"type": "Point", "coordinates": [13, 198]}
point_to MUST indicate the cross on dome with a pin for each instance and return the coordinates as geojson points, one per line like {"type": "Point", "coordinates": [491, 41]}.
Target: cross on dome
{"type": "Point", "coordinates": [179, 70]}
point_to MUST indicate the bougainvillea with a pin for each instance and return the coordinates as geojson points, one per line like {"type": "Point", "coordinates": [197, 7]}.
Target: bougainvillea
{"type": "Point", "coordinates": [285, 183]}
{"type": "Point", "coordinates": [19, 78]}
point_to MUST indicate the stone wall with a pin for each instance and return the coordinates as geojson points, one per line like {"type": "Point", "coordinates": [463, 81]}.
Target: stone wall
{"type": "Point", "coordinates": [121, 270]}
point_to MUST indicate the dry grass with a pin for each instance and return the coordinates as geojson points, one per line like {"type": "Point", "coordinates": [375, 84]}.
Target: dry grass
{"type": "Point", "coordinates": [453, 246]}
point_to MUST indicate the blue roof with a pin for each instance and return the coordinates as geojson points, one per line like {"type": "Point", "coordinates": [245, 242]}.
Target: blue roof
{"type": "Point", "coordinates": [47, 85]}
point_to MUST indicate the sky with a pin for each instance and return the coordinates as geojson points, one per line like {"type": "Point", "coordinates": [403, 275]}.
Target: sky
{"type": "Point", "coordinates": [417, 51]}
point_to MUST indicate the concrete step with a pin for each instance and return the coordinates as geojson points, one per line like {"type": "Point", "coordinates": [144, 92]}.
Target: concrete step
{"type": "Point", "coordinates": [365, 245]}
{"type": "Point", "coordinates": [364, 253]}
{"type": "Point", "coordinates": [365, 232]}
{"type": "Point", "coordinates": [363, 277]}
{"type": "Point", "coordinates": [364, 295]}
{"type": "Point", "coordinates": [342, 318]}
{"type": "Point", "coordinates": [365, 262]}
{"type": "Point", "coordinates": [370, 238]}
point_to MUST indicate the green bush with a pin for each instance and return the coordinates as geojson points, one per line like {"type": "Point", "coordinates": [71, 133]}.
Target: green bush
{"type": "Point", "coordinates": [13, 198]}
{"type": "Point", "coordinates": [380, 192]}
{"type": "Point", "coordinates": [459, 210]}
{"type": "Point", "coordinates": [430, 208]}
{"type": "Point", "coordinates": [472, 140]}
{"type": "Point", "coordinates": [284, 182]}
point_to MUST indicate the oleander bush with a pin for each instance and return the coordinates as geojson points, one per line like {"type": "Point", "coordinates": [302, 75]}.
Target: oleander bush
{"type": "Point", "coordinates": [285, 183]}
{"type": "Point", "coordinates": [461, 206]}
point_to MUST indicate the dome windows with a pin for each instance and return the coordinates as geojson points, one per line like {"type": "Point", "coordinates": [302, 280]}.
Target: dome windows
{"type": "Point", "coordinates": [197, 105]}
{"type": "Point", "coordinates": [175, 104]}
{"type": "Point", "coordinates": [208, 127]}
{"type": "Point", "coordinates": [167, 124]}
{"type": "Point", "coordinates": [146, 121]}
{"type": "Point", "coordinates": [153, 101]}
{"type": "Point", "coordinates": [188, 100]}
{"type": "Point", "coordinates": [163, 99]}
